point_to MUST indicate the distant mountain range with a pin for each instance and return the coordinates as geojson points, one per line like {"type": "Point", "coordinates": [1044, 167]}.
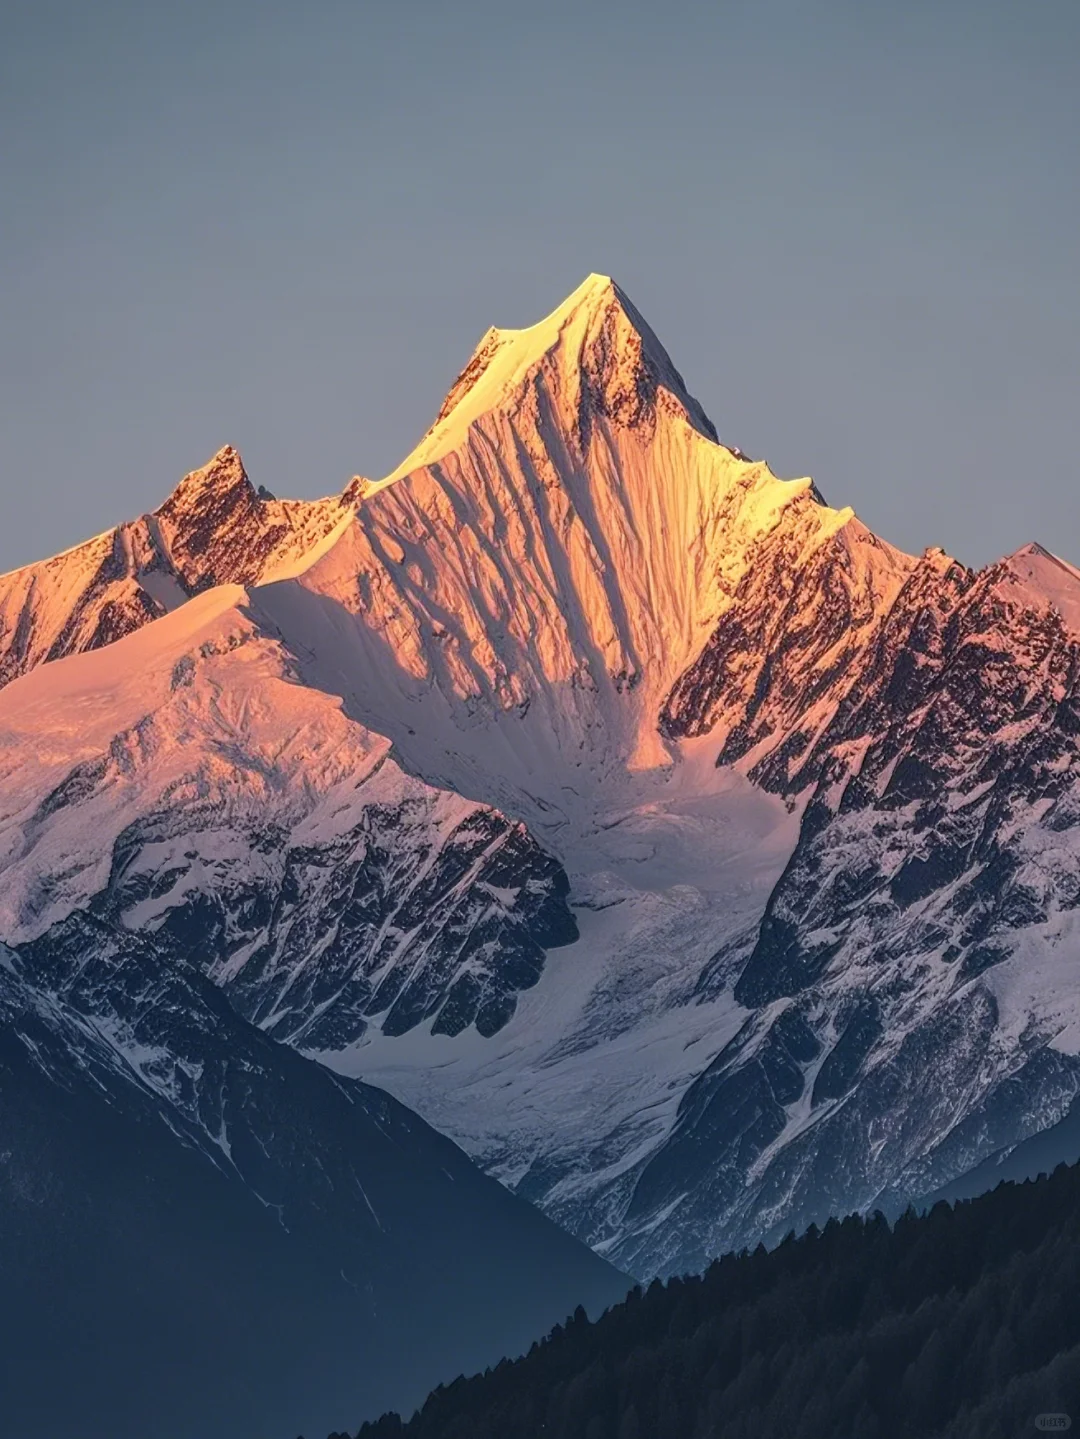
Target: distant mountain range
{"type": "Point", "coordinates": [698, 862]}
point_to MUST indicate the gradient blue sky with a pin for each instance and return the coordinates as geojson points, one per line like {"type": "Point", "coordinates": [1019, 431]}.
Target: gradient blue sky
{"type": "Point", "coordinates": [853, 223]}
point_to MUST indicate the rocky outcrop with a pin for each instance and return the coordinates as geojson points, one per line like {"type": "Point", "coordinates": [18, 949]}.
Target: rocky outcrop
{"type": "Point", "coordinates": [214, 529]}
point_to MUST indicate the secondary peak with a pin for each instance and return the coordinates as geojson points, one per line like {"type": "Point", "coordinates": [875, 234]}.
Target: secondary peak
{"type": "Point", "coordinates": [220, 476]}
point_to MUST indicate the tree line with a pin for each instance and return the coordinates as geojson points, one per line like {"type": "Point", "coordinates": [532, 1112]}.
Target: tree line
{"type": "Point", "coordinates": [963, 1323]}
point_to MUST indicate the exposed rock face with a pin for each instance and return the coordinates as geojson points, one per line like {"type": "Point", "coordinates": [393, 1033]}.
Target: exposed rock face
{"type": "Point", "coordinates": [213, 529]}
{"type": "Point", "coordinates": [914, 981]}
{"type": "Point", "coordinates": [406, 917]}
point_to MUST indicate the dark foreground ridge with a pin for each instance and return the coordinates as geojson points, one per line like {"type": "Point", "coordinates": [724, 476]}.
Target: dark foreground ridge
{"type": "Point", "coordinates": [204, 1235]}
{"type": "Point", "coordinates": [963, 1323]}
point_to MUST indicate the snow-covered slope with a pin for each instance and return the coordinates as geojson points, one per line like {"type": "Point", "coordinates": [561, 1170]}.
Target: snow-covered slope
{"type": "Point", "coordinates": [530, 583]}
{"type": "Point", "coordinates": [926, 921]}
{"type": "Point", "coordinates": [213, 529]}
{"type": "Point", "coordinates": [646, 824]}
{"type": "Point", "coordinates": [183, 783]}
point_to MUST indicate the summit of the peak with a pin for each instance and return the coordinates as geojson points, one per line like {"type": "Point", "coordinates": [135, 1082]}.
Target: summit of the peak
{"type": "Point", "coordinates": [597, 354]}
{"type": "Point", "coordinates": [1035, 554]}
{"type": "Point", "coordinates": [1041, 578]}
{"type": "Point", "coordinates": [223, 474]}
{"type": "Point", "coordinates": [595, 283]}
{"type": "Point", "coordinates": [224, 463]}
{"type": "Point", "coordinates": [1033, 550]}
{"type": "Point", "coordinates": [594, 292]}
{"type": "Point", "coordinates": [597, 297]}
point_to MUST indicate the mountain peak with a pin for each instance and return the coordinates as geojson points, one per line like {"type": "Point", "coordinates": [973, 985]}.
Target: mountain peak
{"type": "Point", "coordinates": [1042, 578]}
{"type": "Point", "coordinates": [223, 475]}
{"type": "Point", "coordinates": [596, 294]}
{"type": "Point", "coordinates": [598, 356]}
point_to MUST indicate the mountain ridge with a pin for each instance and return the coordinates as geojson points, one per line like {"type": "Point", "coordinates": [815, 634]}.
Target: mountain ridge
{"type": "Point", "coordinates": [628, 367]}
{"type": "Point", "coordinates": [809, 804]}
{"type": "Point", "coordinates": [228, 1237]}
{"type": "Point", "coordinates": [105, 587]}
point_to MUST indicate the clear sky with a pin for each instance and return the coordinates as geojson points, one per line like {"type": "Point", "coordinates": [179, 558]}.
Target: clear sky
{"type": "Point", "coordinates": [855, 224]}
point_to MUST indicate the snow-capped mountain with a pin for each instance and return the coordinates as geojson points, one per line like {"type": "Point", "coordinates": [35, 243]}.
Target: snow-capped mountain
{"type": "Point", "coordinates": [647, 825]}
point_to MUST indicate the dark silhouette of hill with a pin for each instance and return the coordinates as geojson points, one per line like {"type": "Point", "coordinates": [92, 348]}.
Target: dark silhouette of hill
{"type": "Point", "coordinates": [960, 1323]}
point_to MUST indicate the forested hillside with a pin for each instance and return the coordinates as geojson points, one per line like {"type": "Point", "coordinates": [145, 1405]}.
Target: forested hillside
{"type": "Point", "coordinates": [960, 1324]}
